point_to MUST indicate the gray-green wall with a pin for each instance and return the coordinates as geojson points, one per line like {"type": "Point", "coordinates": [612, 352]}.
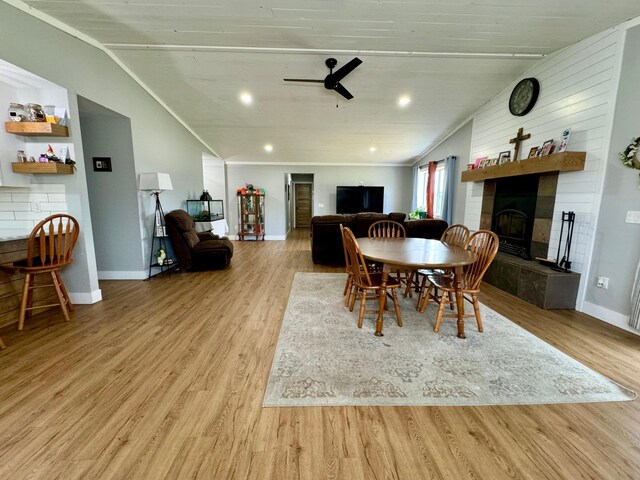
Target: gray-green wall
{"type": "Point", "coordinates": [617, 247]}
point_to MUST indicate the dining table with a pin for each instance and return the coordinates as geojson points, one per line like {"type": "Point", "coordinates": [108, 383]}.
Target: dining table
{"type": "Point", "coordinates": [417, 254]}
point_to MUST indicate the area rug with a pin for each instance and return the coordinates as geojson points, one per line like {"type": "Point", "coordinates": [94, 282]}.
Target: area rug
{"type": "Point", "coordinates": [322, 358]}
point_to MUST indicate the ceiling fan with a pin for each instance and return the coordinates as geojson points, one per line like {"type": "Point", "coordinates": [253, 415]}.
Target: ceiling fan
{"type": "Point", "coordinates": [332, 81]}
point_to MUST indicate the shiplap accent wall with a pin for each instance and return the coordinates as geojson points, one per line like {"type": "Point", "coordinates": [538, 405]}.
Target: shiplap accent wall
{"type": "Point", "coordinates": [578, 90]}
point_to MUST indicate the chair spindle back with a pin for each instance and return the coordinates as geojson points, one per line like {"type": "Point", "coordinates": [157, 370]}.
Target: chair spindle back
{"type": "Point", "coordinates": [358, 265]}
{"type": "Point", "coordinates": [55, 237]}
{"type": "Point", "coordinates": [456, 235]}
{"type": "Point", "coordinates": [386, 229]}
{"type": "Point", "coordinates": [484, 244]}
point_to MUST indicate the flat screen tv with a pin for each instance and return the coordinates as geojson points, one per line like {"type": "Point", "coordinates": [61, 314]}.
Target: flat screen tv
{"type": "Point", "coordinates": [359, 199]}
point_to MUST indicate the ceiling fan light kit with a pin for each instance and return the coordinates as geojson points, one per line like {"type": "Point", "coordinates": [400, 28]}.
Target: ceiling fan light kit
{"type": "Point", "coordinates": [332, 81]}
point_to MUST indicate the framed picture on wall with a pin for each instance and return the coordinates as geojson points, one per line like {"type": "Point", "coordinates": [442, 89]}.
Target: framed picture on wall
{"type": "Point", "coordinates": [547, 148]}
{"type": "Point", "coordinates": [504, 157]}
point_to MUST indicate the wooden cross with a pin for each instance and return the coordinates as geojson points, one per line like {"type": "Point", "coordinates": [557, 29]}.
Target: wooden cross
{"type": "Point", "coordinates": [519, 138]}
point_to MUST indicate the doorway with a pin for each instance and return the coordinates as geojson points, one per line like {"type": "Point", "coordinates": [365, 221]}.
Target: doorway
{"type": "Point", "coordinates": [303, 195]}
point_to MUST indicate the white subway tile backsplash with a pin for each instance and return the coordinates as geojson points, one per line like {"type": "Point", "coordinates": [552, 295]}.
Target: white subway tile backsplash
{"type": "Point", "coordinates": [46, 188]}
{"type": "Point", "coordinates": [30, 197]}
{"type": "Point", "coordinates": [30, 215]}
{"type": "Point", "coordinates": [57, 197]}
{"type": "Point", "coordinates": [15, 207]}
{"type": "Point", "coordinates": [54, 207]}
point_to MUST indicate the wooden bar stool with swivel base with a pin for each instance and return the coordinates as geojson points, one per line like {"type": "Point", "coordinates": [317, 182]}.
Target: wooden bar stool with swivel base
{"type": "Point", "coordinates": [49, 249]}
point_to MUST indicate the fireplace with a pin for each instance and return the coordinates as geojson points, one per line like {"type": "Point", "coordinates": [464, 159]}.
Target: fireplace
{"type": "Point", "coordinates": [514, 212]}
{"type": "Point", "coordinates": [520, 210]}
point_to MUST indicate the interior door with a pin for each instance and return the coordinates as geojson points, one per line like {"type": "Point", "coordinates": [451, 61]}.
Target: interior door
{"type": "Point", "coordinates": [303, 204]}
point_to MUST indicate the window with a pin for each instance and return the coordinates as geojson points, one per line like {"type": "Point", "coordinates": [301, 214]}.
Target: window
{"type": "Point", "coordinates": [438, 189]}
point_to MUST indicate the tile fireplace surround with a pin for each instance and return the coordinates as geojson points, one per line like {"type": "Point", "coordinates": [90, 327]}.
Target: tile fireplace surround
{"type": "Point", "coordinates": [526, 279]}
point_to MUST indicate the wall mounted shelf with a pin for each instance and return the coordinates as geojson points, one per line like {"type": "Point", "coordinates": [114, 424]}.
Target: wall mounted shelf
{"type": "Point", "coordinates": [556, 162]}
{"type": "Point", "coordinates": [37, 129]}
{"type": "Point", "coordinates": [46, 168]}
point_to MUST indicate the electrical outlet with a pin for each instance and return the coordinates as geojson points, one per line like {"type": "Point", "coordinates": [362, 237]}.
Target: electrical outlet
{"type": "Point", "coordinates": [35, 207]}
{"type": "Point", "coordinates": [603, 282]}
{"type": "Point", "coordinates": [633, 216]}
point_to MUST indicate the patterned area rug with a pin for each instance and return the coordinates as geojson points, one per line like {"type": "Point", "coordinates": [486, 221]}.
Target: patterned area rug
{"type": "Point", "coordinates": [322, 358]}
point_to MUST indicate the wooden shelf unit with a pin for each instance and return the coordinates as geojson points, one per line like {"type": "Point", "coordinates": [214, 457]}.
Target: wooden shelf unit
{"type": "Point", "coordinates": [556, 162]}
{"type": "Point", "coordinates": [46, 168]}
{"type": "Point", "coordinates": [37, 129]}
{"type": "Point", "coordinates": [251, 215]}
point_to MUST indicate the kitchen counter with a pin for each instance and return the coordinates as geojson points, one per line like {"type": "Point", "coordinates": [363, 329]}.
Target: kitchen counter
{"type": "Point", "coordinates": [14, 234]}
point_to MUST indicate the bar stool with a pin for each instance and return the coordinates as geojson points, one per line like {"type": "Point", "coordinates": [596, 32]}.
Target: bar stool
{"type": "Point", "coordinates": [49, 249]}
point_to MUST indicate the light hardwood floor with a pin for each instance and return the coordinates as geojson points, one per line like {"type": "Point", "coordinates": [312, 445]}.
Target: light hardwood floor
{"type": "Point", "coordinates": [165, 379]}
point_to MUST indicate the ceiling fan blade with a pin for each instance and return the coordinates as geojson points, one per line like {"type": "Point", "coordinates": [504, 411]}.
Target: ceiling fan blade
{"type": "Point", "coordinates": [343, 91]}
{"type": "Point", "coordinates": [307, 80]}
{"type": "Point", "coordinates": [346, 69]}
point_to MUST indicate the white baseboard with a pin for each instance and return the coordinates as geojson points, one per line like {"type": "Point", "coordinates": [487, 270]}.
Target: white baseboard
{"type": "Point", "coordinates": [123, 275]}
{"type": "Point", "coordinates": [608, 316]}
{"type": "Point", "coordinates": [86, 298]}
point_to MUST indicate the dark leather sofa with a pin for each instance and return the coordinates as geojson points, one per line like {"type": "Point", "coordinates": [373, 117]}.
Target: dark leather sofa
{"type": "Point", "coordinates": [196, 251]}
{"type": "Point", "coordinates": [326, 242]}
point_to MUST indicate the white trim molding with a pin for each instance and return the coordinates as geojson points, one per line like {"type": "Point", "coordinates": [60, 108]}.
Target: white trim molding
{"type": "Point", "coordinates": [608, 316]}
{"type": "Point", "coordinates": [86, 298]}
{"type": "Point", "coordinates": [123, 275]}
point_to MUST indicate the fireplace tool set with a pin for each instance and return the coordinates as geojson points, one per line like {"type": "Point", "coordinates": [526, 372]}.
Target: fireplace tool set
{"type": "Point", "coordinates": [563, 264]}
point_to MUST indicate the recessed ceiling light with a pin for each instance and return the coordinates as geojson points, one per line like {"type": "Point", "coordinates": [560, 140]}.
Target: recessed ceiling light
{"type": "Point", "coordinates": [268, 148]}
{"type": "Point", "coordinates": [372, 149]}
{"type": "Point", "coordinates": [404, 100]}
{"type": "Point", "coordinates": [246, 98]}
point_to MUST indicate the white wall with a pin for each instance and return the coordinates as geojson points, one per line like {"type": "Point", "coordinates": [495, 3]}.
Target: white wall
{"type": "Point", "coordinates": [578, 87]}
{"type": "Point", "coordinates": [160, 143]}
{"type": "Point", "coordinates": [396, 182]}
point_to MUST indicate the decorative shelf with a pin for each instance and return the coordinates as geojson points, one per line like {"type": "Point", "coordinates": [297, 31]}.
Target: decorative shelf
{"type": "Point", "coordinates": [37, 167]}
{"type": "Point", "coordinates": [556, 162]}
{"type": "Point", "coordinates": [37, 129]}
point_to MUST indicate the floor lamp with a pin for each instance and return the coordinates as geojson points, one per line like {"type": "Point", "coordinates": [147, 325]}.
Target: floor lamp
{"type": "Point", "coordinates": [157, 183]}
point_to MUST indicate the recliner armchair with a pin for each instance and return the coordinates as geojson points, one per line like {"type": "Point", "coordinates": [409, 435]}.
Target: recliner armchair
{"type": "Point", "coordinates": [196, 251]}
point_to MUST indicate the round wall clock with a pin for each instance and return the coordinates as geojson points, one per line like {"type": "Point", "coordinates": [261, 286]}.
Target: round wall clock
{"type": "Point", "coordinates": [524, 96]}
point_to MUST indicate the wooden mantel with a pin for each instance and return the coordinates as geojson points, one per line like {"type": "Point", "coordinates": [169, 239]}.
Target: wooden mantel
{"type": "Point", "coordinates": [556, 162]}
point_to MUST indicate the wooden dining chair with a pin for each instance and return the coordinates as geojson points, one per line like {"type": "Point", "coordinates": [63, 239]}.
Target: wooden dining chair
{"type": "Point", "coordinates": [366, 282]}
{"type": "Point", "coordinates": [456, 235]}
{"type": "Point", "coordinates": [386, 229]}
{"type": "Point", "coordinates": [484, 244]}
{"type": "Point", "coordinates": [49, 248]}
{"type": "Point", "coordinates": [2, 345]}
{"type": "Point", "coordinates": [349, 285]}
{"type": "Point", "coordinates": [389, 229]}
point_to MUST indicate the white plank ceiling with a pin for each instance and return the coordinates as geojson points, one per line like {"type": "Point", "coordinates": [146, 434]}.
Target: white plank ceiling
{"type": "Point", "coordinates": [198, 55]}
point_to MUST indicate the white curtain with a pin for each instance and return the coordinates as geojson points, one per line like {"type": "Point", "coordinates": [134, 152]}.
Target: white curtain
{"type": "Point", "coordinates": [634, 319]}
